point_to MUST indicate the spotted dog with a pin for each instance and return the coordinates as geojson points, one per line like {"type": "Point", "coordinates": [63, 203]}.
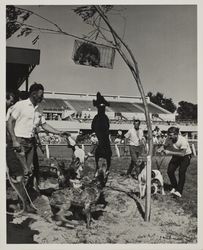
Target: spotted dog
{"type": "Point", "coordinates": [157, 183]}
{"type": "Point", "coordinates": [84, 195]}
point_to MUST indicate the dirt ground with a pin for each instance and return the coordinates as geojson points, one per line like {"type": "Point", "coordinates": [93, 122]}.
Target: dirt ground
{"type": "Point", "coordinates": [173, 220]}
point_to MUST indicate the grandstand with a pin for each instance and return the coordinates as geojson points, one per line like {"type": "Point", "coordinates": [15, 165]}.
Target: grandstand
{"type": "Point", "coordinates": [74, 112]}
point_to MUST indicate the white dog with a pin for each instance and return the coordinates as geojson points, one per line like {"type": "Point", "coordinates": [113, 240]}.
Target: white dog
{"type": "Point", "coordinates": [156, 181]}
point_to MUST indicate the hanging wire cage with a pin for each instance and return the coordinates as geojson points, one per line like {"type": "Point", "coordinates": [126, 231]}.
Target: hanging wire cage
{"type": "Point", "coordinates": [89, 54]}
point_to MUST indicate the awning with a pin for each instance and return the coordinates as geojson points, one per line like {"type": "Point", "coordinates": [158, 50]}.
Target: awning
{"type": "Point", "coordinates": [20, 62]}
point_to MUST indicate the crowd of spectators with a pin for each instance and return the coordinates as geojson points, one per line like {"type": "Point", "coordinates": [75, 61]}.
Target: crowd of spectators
{"type": "Point", "coordinates": [51, 139]}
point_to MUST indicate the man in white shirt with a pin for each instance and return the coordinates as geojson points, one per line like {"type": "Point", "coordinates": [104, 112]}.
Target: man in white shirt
{"type": "Point", "coordinates": [136, 140]}
{"type": "Point", "coordinates": [22, 123]}
{"type": "Point", "coordinates": [181, 155]}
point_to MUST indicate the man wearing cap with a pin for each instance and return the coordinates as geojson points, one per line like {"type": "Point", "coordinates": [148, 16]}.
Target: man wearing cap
{"type": "Point", "coordinates": [181, 155]}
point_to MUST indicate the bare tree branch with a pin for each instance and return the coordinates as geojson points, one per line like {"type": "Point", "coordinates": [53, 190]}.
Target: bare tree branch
{"type": "Point", "coordinates": [61, 32]}
{"type": "Point", "coordinates": [34, 13]}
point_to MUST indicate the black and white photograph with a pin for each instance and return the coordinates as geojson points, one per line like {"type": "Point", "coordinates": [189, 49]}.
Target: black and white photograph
{"type": "Point", "coordinates": [101, 124]}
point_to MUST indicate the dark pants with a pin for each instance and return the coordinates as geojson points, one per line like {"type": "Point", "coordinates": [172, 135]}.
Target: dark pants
{"type": "Point", "coordinates": [23, 158]}
{"type": "Point", "coordinates": [19, 164]}
{"type": "Point", "coordinates": [28, 147]}
{"type": "Point", "coordinates": [182, 163]}
{"type": "Point", "coordinates": [13, 163]}
{"type": "Point", "coordinates": [135, 152]}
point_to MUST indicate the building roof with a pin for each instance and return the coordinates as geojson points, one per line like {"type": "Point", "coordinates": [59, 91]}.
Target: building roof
{"type": "Point", "coordinates": [20, 62]}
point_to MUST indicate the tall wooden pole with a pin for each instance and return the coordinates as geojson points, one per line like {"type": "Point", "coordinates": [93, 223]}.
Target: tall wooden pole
{"type": "Point", "coordinates": [135, 72]}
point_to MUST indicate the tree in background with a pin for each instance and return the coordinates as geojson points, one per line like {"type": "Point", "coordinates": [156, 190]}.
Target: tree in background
{"type": "Point", "coordinates": [187, 111]}
{"type": "Point", "coordinates": [163, 102]}
{"type": "Point", "coordinates": [15, 18]}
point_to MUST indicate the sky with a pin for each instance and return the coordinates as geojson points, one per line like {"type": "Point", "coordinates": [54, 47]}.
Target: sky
{"type": "Point", "coordinates": [163, 39]}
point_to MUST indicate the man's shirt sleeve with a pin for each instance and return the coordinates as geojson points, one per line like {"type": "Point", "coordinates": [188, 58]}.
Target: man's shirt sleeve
{"type": "Point", "coordinates": [184, 144]}
{"type": "Point", "coordinates": [127, 135]}
{"type": "Point", "coordinates": [42, 121]}
{"type": "Point", "coordinates": [16, 110]}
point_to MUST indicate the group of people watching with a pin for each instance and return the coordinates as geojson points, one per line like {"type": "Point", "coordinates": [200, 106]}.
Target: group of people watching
{"type": "Point", "coordinates": [50, 139]}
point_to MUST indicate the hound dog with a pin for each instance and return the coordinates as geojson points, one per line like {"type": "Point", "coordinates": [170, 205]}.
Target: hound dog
{"type": "Point", "coordinates": [100, 125]}
{"type": "Point", "coordinates": [157, 183]}
{"type": "Point", "coordinates": [84, 194]}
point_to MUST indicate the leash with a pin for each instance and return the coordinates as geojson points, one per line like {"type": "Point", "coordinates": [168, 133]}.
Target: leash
{"type": "Point", "coordinates": [38, 142]}
{"type": "Point", "coordinates": [13, 186]}
{"type": "Point", "coordinates": [20, 196]}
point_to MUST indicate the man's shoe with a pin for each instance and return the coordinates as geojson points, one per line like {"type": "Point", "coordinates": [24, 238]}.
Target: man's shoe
{"type": "Point", "coordinates": [177, 194]}
{"type": "Point", "coordinates": [172, 191]}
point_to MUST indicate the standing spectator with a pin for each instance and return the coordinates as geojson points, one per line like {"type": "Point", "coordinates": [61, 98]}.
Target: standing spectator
{"type": "Point", "coordinates": [181, 155]}
{"type": "Point", "coordinates": [136, 140]}
{"type": "Point", "coordinates": [119, 137]}
{"type": "Point", "coordinates": [161, 139]}
{"type": "Point", "coordinates": [157, 131]}
{"type": "Point", "coordinates": [118, 140]}
{"type": "Point", "coordinates": [154, 138]}
{"type": "Point", "coordinates": [10, 98]}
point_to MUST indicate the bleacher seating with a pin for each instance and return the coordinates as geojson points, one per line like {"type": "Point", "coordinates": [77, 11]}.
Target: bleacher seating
{"type": "Point", "coordinates": [54, 104]}
{"type": "Point", "coordinates": [70, 108]}
{"type": "Point", "coordinates": [82, 105]}
{"type": "Point", "coordinates": [124, 107]}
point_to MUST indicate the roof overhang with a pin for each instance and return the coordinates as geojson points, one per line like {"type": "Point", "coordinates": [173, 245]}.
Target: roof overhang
{"type": "Point", "coordinates": [22, 55]}
{"type": "Point", "coordinates": [19, 64]}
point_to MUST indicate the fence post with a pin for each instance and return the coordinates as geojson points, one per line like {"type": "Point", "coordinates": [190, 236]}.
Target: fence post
{"type": "Point", "coordinates": [194, 150]}
{"type": "Point", "coordinates": [148, 189]}
{"type": "Point", "coordinates": [47, 151]}
{"type": "Point", "coordinates": [117, 151]}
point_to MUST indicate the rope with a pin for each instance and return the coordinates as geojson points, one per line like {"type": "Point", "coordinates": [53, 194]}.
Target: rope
{"type": "Point", "coordinates": [13, 186]}
{"type": "Point", "coordinates": [21, 197]}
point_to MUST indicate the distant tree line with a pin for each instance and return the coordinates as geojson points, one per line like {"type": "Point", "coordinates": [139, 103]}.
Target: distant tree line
{"type": "Point", "coordinates": [162, 101]}
{"type": "Point", "coordinates": [185, 110]}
